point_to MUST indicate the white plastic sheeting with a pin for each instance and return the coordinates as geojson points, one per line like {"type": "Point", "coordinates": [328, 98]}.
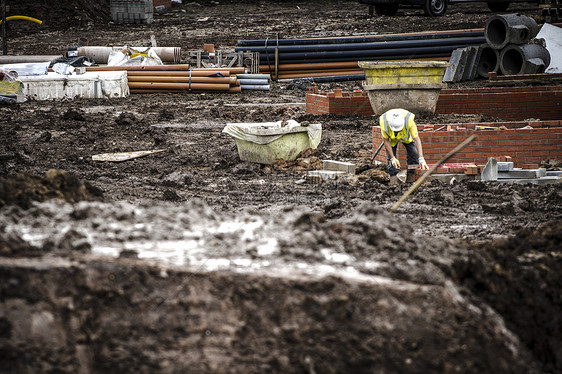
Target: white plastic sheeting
{"type": "Point", "coordinates": [552, 35]}
{"type": "Point", "coordinates": [267, 132]}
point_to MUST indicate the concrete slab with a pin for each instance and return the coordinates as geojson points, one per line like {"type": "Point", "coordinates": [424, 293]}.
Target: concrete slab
{"type": "Point", "coordinates": [454, 71]}
{"type": "Point", "coordinates": [522, 174]}
{"type": "Point", "coordinates": [553, 38]}
{"type": "Point", "coordinates": [469, 72]}
{"type": "Point", "coordinates": [505, 166]}
{"type": "Point", "coordinates": [331, 165]}
{"type": "Point", "coordinates": [318, 176]}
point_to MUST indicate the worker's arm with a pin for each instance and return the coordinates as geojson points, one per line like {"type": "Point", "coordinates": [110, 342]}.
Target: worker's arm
{"type": "Point", "coordinates": [418, 146]}
{"type": "Point", "coordinates": [388, 147]}
{"type": "Point", "coordinates": [393, 159]}
{"type": "Point", "coordinates": [423, 164]}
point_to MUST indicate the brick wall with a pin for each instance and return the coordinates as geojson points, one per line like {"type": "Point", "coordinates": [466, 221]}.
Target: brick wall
{"type": "Point", "coordinates": [338, 102]}
{"type": "Point", "coordinates": [510, 103]}
{"type": "Point", "coordinates": [524, 145]}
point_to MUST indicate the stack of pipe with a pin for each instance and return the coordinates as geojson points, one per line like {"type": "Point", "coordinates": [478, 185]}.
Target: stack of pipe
{"type": "Point", "coordinates": [320, 57]}
{"type": "Point", "coordinates": [177, 78]}
{"type": "Point", "coordinates": [258, 82]}
{"type": "Point", "coordinates": [509, 48]}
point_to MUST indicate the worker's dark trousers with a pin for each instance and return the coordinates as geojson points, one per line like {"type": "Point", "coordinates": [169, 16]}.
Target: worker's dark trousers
{"type": "Point", "coordinates": [412, 157]}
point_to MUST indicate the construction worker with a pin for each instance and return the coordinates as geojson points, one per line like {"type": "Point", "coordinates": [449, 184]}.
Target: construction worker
{"type": "Point", "coordinates": [398, 126]}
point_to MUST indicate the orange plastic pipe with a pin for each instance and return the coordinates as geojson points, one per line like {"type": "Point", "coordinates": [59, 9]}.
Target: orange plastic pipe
{"type": "Point", "coordinates": [177, 73]}
{"type": "Point", "coordinates": [154, 90]}
{"type": "Point", "coordinates": [234, 70]}
{"type": "Point", "coordinates": [181, 86]}
{"type": "Point", "coordinates": [227, 80]}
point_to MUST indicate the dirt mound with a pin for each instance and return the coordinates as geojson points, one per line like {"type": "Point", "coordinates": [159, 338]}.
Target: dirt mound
{"type": "Point", "coordinates": [306, 160]}
{"type": "Point", "coordinates": [23, 189]}
{"type": "Point", "coordinates": [294, 292]}
{"type": "Point", "coordinates": [520, 278]}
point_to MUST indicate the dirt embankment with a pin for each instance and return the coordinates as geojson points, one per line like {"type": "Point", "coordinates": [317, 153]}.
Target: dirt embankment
{"type": "Point", "coordinates": [295, 293]}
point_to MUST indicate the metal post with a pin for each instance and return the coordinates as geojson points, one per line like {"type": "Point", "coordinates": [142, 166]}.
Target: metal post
{"type": "Point", "coordinates": [4, 40]}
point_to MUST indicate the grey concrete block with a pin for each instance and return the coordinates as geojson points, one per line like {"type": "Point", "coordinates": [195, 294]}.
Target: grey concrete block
{"type": "Point", "coordinates": [331, 165]}
{"type": "Point", "coordinates": [541, 172]}
{"type": "Point", "coordinates": [456, 65]}
{"type": "Point", "coordinates": [318, 176]}
{"type": "Point", "coordinates": [505, 166]}
{"type": "Point", "coordinates": [469, 72]}
{"type": "Point", "coordinates": [520, 174]}
{"type": "Point", "coordinates": [554, 173]}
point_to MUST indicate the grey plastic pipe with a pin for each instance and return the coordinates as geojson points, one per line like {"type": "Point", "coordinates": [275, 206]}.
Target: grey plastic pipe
{"type": "Point", "coordinates": [504, 29]}
{"type": "Point", "coordinates": [524, 59]}
{"type": "Point", "coordinates": [253, 76]}
{"type": "Point", "coordinates": [255, 87]}
{"type": "Point", "coordinates": [255, 82]}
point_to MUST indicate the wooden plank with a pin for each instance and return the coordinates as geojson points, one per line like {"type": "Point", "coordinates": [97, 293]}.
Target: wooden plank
{"type": "Point", "coordinates": [124, 156]}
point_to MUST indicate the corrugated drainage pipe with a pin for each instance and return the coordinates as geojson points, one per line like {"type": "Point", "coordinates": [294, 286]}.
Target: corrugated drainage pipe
{"type": "Point", "coordinates": [524, 59]}
{"type": "Point", "coordinates": [488, 60]}
{"type": "Point", "coordinates": [504, 29]}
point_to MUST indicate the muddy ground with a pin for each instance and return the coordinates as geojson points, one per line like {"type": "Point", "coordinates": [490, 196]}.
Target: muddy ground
{"type": "Point", "coordinates": [192, 260]}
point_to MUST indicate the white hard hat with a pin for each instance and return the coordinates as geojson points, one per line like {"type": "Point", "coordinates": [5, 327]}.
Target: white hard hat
{"type": "Point", "coordinates": [395, 119]}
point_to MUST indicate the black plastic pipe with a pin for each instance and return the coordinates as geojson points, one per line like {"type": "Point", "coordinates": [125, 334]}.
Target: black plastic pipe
{"type": "Point", "coordinates": [359, 39]}
{"type": "Point", "coordinates": [348, 59]}
{"type": "Point", "coordinates": [358, 55]}
{"type": "Point", "coordinates": [366, 46]}
{"type": "Point", "coordinates": [332, 78]}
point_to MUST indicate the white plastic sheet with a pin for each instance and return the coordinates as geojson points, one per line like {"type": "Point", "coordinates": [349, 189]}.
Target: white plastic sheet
{"type": "Point", "coordinates": [27, 69]}
{"type": "Point", "coordinates": [133, 57]}
{"type": "Point", "coordinates": [266, 132]}
{"type": "Point", "coordinates": [552, 35]}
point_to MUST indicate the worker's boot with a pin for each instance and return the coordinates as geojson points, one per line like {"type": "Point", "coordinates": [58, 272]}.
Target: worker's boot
{"type": "Point", "coordinates": [393, 181]}
{"type": "Point", "coordinates": [411, 176]}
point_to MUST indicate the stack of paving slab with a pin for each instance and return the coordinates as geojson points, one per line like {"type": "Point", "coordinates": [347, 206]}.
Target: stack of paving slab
{"type": "Point", "coordinates": [132, 11]}
{"type": "Point", "coordinates": [505, 172]}
{"type": "Point", "coordinates": [330, 170]}
{"type": "Point", "coordinates": [462, 65]}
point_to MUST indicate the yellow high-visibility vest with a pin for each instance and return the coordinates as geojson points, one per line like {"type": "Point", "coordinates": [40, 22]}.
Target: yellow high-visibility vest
{"type": "Point", "coordinates": [406, 135]}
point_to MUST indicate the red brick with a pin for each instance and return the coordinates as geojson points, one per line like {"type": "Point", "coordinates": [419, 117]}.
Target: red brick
{"type": "Point", "coordinates": [471, 170]}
